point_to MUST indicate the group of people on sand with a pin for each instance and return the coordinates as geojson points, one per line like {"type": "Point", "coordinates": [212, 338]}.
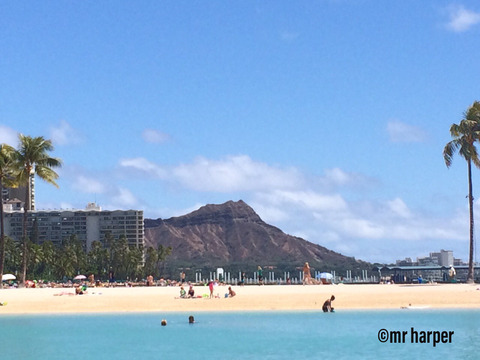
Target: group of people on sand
{"type": "Point", "coordinates": [185, 295]}
{"type": "Point", "coordinates": [191, 292]}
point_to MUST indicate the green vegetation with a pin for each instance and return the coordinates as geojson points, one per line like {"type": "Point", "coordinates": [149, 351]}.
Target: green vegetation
{"type": "Point", "coordinates": [54, 263]}
{"type": "Point", "coordinates": [465, 135]}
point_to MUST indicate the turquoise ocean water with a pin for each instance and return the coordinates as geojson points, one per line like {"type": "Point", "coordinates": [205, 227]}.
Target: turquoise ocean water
{"type": "Point", "coordinates": [250, 335]}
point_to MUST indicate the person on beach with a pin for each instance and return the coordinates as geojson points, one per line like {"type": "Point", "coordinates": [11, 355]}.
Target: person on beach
{"type": "Point", "coordinates": [231, 293]}
{"type": "Point", "coordinates": [111, 277]}
{"type": "Point", "coordinates": [149, 280]}
{"type": "Point", "coordinates": [260, 275]}
{"type": "Point", "coordinates": [307, 277]}
{"type": "Point", "coordinates": [210, 286]}
{"type": "Point", "coordinates": [182, 277]}
{"type": "Point", "coordinates": [80, 289]}
{"type": "Point", "coordinates": [191, 292]}
{"type": "Point", "coordinates": [327, 305]}
{"type": "Point", "coordinates": [183, 293]}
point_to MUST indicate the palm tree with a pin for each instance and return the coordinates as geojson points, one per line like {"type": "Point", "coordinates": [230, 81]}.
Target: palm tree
{"type": "Point", "coordinates": [163, 253]}
{"type": "Point", "coordinates": [464, 135]}
{"type": "Point", "coordinates": [33, 159]}
{"type": "Point", "coordinates": [7, 176]}
{"type": "Point", "coordinates": [151, 262]}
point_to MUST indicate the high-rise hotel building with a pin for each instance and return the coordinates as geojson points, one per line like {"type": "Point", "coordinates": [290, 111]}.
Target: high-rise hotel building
{"type": "Point", "coordinates": [89, 225]}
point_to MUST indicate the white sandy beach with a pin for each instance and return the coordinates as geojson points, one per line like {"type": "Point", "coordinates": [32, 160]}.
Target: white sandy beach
{"type": "Point", "coordinates": [248, 298]}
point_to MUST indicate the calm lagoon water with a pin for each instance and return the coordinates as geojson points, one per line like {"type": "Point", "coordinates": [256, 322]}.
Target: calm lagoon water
{"type": "Point", "coordinates": [250, 335]}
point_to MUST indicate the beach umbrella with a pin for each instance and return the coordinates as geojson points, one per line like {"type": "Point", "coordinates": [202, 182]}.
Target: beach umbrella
{"type": "Point", "coordinates": [7, 277]}
{"type": "Point", "coordinates": [325, 275]}
{"type": "Point", "coordinates": [80, 277]}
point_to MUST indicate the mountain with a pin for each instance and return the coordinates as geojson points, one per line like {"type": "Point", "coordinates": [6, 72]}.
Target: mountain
{"type": "Point", "coordinates": [232, 235]}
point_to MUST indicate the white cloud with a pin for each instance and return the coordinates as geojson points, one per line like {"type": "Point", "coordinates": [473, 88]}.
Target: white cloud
{"type": "Point", "coordinates": [336, 177]}
{"type": "Point", "coordinates": [399, 207]}
{"type": "Point", "coordinates": [401, 132]}
{"type": "Point", "coordinates": [64, 134]}
{"type": "Point", "coordinates": [144, 166]}
{"type": "Point", "coordinates": [124, 198]}
{"type": "Point", "coordinates": [373, 231]}
{"type": "Point", "coordinates": [154, 136]}
{"type": "Point", "coordinates": [8, 136]}
{"type": "Point", "coordinates": [233, 173]}
{"type": "Point", "coordinates": [305, 199]}
{"type": "Point", "coordinates": [462, 19]}
{"type": "Point", "coordinates": [88, 185]}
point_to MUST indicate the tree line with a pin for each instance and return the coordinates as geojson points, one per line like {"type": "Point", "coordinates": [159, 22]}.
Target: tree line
{"type": "Point", "coordinates": [109, 257]}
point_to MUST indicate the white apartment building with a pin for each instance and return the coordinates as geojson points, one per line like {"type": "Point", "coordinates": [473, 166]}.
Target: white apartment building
{"type": "Point", "coordinates": [89, 225]}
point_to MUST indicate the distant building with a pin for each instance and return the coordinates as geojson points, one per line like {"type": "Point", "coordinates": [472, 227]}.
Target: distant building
{"type": "Point", "coordinates": [13, 205]}
{"type": "Point", "coordinates": [89, 225]}
{"type": "Point", "coordinates": [446, 258]}
{"type": "Point", "coordinates": [20, 193]}
{"type": "Point", "coordinates": [442, 258]}
{"type": "Point", "coordinates": [406, 262]}
{"type": "Point", "coordinates": [457, 262]}
{"type": "Point", "coordinates": [426, 261]}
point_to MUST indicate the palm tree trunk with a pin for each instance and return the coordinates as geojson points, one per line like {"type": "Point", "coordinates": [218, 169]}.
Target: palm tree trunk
{"type": "Point", "coordinates": [25, 218]}
{"type": "Point", "coordinates": [2, 237]}
{"type": "Point", "coordinates": [470, 276]}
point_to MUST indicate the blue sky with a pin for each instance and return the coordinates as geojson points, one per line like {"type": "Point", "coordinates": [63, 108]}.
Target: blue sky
{"type": "Point", "coordinates": [328, 117]}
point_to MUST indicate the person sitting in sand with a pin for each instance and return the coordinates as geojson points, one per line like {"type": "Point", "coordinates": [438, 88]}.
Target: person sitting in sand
{"type": "Point", "coordinates": [191, 292]}
{"type": "Point", "coordinates": [327, 305]}
{"type": "Point", "coordinates": [183, 293]}
{"type": "Point", "coordinates": [231, 293]}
